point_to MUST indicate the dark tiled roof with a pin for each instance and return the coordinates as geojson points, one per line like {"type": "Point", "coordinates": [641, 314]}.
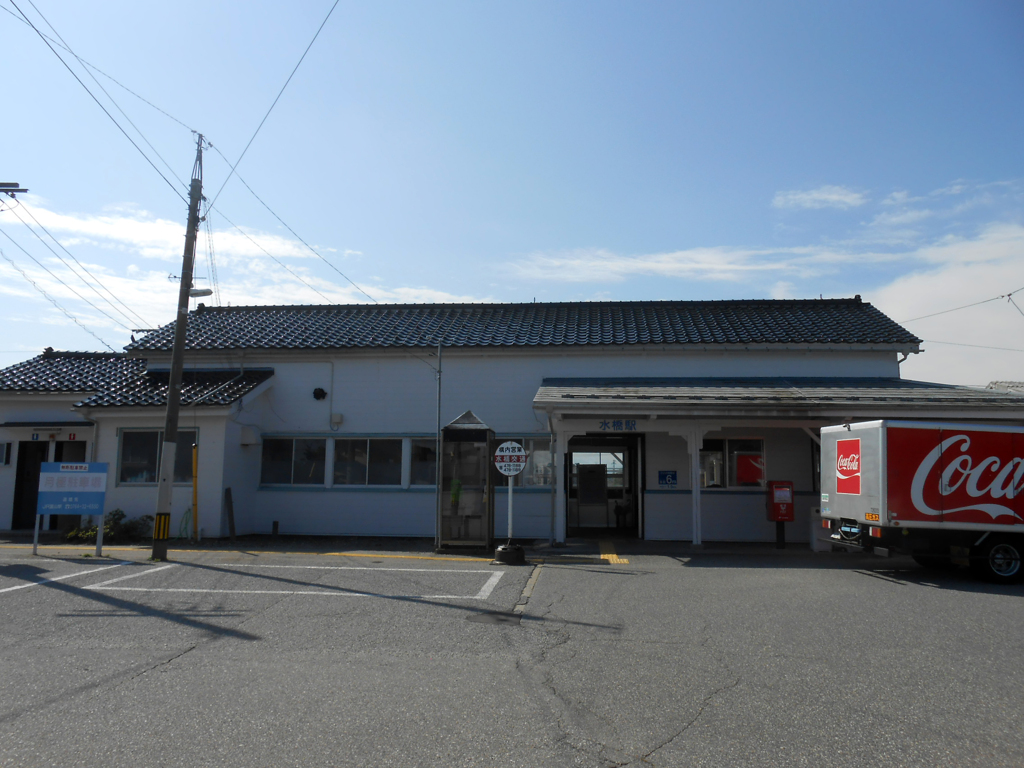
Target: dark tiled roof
{"type": "Point", "coordinates": [70, 372]}
{"type": "Point", "coordinates": [117, 379]}
{"type": "Point", "coordinates": [803, 322]}
{"type": "Point", "coordinates": [855, 395]}
{"type": "Point", "coordinates": [198, 388]}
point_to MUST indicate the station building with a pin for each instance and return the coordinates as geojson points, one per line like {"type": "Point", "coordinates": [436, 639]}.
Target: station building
{"type": "Point", "coordinates": [655, 420]}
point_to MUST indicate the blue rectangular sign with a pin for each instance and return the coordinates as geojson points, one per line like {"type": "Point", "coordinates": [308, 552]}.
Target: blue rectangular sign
{"type": "Point", "coordinates": [72, 488]}
{"type": "Point", "coordinates": [667, 478]}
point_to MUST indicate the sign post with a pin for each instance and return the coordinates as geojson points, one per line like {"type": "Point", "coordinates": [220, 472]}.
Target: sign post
{"type": "Point", "coordinates": [510, 459]}
{"type": "Point", "coordinates": [71, 488]}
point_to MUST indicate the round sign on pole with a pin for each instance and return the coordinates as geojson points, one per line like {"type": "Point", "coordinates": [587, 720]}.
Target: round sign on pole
{"type": "Point", "coordinates": [510, 458]}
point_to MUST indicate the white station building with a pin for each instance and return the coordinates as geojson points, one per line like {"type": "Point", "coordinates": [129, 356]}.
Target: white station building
{"type": "Point", "coordinates": [656, 420]}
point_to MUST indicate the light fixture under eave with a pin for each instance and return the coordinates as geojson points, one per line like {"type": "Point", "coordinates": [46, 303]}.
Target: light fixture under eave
{"type": "Point", "coordinates": [196, 293]}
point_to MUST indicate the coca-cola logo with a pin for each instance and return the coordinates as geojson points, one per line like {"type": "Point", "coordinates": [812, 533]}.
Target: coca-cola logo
{"type": "Point", "coordinates": [962, 478]}
{"type": "Point", "coordinates": [848, 466]}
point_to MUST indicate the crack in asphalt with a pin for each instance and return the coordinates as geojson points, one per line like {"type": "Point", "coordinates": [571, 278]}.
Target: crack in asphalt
{"type": "Point", "coordinates": [645, 758]}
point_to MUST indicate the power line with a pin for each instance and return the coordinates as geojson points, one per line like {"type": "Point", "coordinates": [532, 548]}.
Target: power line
{"type": "Point", "coordinates": [51, 274]}
{"type": "Point", "coordinates": [111, 78]}
{"type": "Point", "coordinates": [296, 234]}
{"type": "Point", "coordinates": [107, 94]}
{"type": "Point", "coordinates": [967, 306]}
{"type": "Point", "coordinates": [98, 102]}
{"type": "Point", "coordinates": [231, 173]}
{"type": "Point", "coordinates": [975, 346]}
{"type": "Point", "coordinates": [276, 260]}
{"type": "Point", "coordinates": [211, 258]}
{"type": "Point", "coordinates": [53, 301]}
{"type": "Point", "coordinates": [80, 264]}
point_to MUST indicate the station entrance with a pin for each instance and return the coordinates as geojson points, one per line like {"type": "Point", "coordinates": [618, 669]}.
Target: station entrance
{"type": "Point", "coordinates": [604, 480]}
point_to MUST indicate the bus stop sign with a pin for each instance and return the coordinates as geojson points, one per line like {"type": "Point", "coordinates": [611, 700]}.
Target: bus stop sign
{"type": "Point", "coordinates": [510, 458]}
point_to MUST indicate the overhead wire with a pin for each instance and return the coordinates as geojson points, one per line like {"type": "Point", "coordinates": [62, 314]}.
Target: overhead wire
{"type": "Point", "coordinates": [296, 234]}
{"type": "Point", "coordinates": [275, 259]}
{"type": "Point", "coordinates": [85, 269]}
{"type": "Point", "coordinates": [107, 94]}
{"type": "Point", "coordinates": [53, 301]}
{"type": "Point", "coordinates": [111, 78]}
{"type": "Point", "coordinates": [975, 346]}
{"type": "Point", "coordinates": [967, 306]}
{"type": "Point", "coordinates": [211, 258]}
{"type": "Point", "coordinates": [233, 167]}
{"type": "Point", "coordinates": [55, 277]}
{"type": "Point", "coordinates": [98, 102]}
{"type": "Point", "coordinates": [258, 127]}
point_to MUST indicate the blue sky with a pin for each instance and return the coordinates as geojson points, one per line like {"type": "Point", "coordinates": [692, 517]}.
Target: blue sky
{"type": "Point", "coordinates": [549, 151]}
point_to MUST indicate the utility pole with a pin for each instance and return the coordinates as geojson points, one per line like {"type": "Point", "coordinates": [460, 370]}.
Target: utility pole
{"type": "Point", "coordinates": [165, 484]}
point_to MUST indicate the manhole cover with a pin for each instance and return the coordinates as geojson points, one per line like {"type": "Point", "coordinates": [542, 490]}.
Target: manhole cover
{"type": "Point", "coordinates": [495, 618]}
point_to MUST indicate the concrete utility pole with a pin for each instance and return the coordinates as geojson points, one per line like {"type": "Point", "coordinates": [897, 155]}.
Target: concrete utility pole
{"type": "Point", "coordinates": [165, 484]}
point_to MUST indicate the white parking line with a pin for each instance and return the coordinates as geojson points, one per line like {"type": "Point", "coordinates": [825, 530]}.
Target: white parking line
{"type": "Point", "coordinates": [62, 578]}
{"type": "Point", "coordinates": [131, 576]}
{"type": "Point", "coordinates": [483, 594]}
{"type": "Point", "coordinates": [486, 589]}
{"type": "Point", "coordinates": [349, 568]}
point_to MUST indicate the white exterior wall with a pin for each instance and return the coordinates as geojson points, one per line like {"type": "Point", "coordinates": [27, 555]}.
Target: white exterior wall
{"type": "Point", "coordinates": [140, 499]}
{"type": "Point", "coordinates": [40, 408]}
{"type": "Point", "coordinates": [393, 394]}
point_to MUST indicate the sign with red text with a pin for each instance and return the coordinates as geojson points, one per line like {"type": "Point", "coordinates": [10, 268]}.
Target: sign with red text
{"type": "Point", "coordinates": [510, 458]}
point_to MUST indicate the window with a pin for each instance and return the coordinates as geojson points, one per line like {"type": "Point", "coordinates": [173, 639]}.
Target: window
{"type": "Point", "coordinates": [537, 472]}
{"type": "Point", "coordinates": [424, 462]}
{"type": "Point", "coordinates": [350, 462]}
{"type": "Point", "coordinates": [732, 463]}
{"type": "Point", "coordinates": [612, 460]}
{"type": "Point", "coordinates": [140, 456]}
{"type": "Point", "coordinates": [374, 461]}
{"type": "Point", "coordinates": [712, 464]}
{"type": "Point", "coordinates": [294, 461]}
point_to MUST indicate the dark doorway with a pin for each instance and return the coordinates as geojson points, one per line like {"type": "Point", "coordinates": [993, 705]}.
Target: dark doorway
{"type": "Point", "coordinates": [31, 454]}
{"type": "Point", "coordinates": [603, 486]}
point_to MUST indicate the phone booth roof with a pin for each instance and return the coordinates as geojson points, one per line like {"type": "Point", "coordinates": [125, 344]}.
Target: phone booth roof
{"type": "Point", "coordinates": [467, 428]}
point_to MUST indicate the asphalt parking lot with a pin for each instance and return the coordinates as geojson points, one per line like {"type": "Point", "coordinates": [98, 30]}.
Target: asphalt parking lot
{"type": "Point", "coordinates": [594, 656]}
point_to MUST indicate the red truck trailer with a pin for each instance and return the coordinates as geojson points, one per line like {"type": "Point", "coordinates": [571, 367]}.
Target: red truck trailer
{"type": "Point", "coordinates": [947, 494]}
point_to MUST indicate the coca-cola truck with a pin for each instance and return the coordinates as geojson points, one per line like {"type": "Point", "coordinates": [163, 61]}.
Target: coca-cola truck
{"type": "Point", "coordinates": [947, 494]}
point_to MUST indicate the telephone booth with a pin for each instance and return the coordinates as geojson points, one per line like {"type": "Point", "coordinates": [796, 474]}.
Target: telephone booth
{"type": "Point", "coordinates": [467, 493]}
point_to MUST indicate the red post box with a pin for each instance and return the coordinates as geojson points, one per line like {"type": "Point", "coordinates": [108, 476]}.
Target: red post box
{"type": "Point", "coordinates": [780, 501]}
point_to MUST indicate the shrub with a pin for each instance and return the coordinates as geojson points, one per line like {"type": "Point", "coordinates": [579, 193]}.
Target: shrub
{"type": "Point", "coordinates": [116, 528]}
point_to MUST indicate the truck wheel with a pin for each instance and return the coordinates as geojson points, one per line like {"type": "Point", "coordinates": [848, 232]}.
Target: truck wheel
{"type": "Point", "coordinates": [934, 562]}
{"type": "Point", "coordinates": [999, 560]}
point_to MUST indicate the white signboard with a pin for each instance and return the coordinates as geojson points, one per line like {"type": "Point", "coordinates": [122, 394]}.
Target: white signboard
{"type": "Point", "coordinates": [510, 458]}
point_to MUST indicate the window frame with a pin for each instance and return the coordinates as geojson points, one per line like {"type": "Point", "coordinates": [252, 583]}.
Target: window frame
{"type": "Point", "coordinates": [291, 481]}
{"type": "Point", "coordinates": [727, 468]}
{"type": "Point", "coordinates": [121, 431]}
{"type": "Point", "coordinates": [501, 481]}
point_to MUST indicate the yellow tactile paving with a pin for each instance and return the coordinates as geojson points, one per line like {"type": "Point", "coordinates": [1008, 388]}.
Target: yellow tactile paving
{"type": "Point", "coordinates": [608, 554]}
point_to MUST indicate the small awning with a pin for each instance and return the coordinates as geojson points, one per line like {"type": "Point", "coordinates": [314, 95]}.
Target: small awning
{"type": "Point", "coordinates": [775, 398]}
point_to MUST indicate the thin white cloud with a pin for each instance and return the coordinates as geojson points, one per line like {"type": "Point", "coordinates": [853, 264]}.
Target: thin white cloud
{"type": "Point", "coordinates": [829, 196]}
{"type": "Point", "coordinates": [954, 273]}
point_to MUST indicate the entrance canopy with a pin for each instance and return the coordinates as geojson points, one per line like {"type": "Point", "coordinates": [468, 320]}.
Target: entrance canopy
{"type": "Point", "coordinates": [774, 398]}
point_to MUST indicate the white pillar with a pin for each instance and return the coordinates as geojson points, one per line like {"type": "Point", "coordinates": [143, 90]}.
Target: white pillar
{"type": "Point", "coordinates": [562, 444]}
{"type": "Point", "coordinates": [693, 434]}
